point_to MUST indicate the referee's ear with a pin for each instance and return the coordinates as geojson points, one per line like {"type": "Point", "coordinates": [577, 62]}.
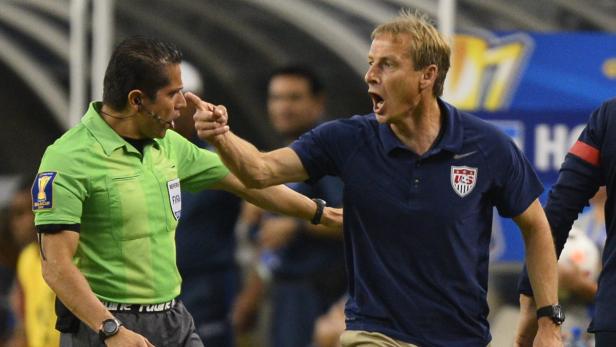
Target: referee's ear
{"type": "Point", "coordinates": [135, 99]}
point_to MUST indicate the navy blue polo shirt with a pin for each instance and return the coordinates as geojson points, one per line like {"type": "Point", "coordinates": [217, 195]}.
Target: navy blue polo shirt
{"type": "Point", "coordinates": [590, 163]}
{"type": "Point", "coordinates": [417, 228]}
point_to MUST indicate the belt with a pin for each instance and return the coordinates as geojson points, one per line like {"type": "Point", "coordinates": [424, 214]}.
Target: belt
{"type": "Point", "coordinates": [140, 308]}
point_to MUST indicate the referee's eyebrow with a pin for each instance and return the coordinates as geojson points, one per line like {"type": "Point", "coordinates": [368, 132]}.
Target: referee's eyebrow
{"type": "Point", "coordinates": [177, 90]}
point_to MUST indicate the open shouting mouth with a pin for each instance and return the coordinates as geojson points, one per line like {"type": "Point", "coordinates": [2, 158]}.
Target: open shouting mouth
{"type": "Point", "coordinates": [377, 102]}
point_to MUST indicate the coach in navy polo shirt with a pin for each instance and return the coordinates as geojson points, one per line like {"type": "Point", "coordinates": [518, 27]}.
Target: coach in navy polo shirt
{"type": "Point", "coordinates": [421, 180]}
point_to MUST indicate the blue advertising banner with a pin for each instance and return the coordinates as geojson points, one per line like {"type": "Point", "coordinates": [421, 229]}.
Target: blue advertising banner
{"type": "Point", "coordinates": [540, 72]}
{"type": "Point", "coordinates": [539, 89]}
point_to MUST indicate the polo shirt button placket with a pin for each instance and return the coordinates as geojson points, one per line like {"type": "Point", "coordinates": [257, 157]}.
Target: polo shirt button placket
{"type": "Point", "coordinates": [416, 179]}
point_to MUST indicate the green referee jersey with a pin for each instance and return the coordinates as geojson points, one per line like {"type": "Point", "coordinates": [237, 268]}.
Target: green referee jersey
{"type": "Point", "coordinates": [128, 205]}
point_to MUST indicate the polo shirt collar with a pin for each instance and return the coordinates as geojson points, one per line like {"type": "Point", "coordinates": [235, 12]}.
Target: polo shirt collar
{"type": "Point", "coordinates": [102, 132]}
{"type": "Point", "coordinates": [450, 139]}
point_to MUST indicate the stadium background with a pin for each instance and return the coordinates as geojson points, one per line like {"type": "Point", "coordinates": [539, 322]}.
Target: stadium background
{"type": "Point", "coordinates": [535, 68]}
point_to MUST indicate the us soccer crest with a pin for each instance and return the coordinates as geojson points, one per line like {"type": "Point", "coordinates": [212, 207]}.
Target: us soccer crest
{"type": "Point", "coordinates": [463, 179]}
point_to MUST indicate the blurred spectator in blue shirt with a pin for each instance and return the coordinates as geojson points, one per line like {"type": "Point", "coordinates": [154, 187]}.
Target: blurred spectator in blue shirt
{"type": "Point", "coordinates": [305, 262]}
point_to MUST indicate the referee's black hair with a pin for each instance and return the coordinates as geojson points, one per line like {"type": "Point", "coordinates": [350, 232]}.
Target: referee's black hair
{"type": "Point", "coordinates": [138, 63]}
{"type": "Point", "coordinates": [316, 86]}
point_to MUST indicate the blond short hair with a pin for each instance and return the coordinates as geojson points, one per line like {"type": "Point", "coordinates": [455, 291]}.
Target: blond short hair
{"type": "Point", "coordinates": [428, 46]}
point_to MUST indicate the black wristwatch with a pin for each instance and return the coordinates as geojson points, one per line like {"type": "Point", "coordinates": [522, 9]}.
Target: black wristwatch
{"type": "Point", "coordinates": [319, 212]}
{"type": "Point", "coordinates": [109, 328]}
{"type": "Point", "coordinates": [555, 312]}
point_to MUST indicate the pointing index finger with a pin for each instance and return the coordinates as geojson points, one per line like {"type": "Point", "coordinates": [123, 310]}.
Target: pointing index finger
{"type": "Point", "coordinates": [197, 102]}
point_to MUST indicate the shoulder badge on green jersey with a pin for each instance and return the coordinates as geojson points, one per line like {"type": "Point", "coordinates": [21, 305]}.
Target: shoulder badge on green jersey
{"type": "Point", "coordinates": [42, 191]}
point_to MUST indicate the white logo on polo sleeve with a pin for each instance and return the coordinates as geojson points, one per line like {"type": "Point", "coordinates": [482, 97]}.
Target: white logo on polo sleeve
{"type": "Point", "coordinates": [175, 197]}
{"type": "Point", "coordinates": [463, 179]}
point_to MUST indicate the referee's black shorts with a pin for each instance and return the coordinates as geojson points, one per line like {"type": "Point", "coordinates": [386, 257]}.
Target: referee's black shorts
{"type": "Point", "coordinates": [170, 328]}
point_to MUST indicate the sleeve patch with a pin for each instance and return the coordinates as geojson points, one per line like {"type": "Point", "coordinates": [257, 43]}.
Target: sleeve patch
{"type": "Point", "coordinates": [585, 152]}
{"type": "Point", "coordinates": [42, 191]}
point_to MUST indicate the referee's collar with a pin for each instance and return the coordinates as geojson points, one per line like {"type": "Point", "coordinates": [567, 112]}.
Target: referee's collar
{"type": "Point", "coordinates": [108, 138]}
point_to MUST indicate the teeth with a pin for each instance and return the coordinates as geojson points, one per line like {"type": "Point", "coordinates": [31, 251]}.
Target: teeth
{"type": "Point", "coordinates": [378, 105]}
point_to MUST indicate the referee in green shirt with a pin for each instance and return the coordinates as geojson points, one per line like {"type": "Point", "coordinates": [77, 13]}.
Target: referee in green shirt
{"type": "Point", "coordinates": [107, 201]}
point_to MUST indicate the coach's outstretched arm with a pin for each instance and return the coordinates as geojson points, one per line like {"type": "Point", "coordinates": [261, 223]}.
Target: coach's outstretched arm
{"type": "Point", "coordinates": [542, 270]}
{"type": "Point", "coordinates": [284, 200]}
{"type": "Point", "coordinates": [254, 168]}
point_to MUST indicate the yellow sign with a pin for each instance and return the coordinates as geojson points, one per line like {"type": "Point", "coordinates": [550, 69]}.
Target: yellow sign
{"type": "Point", "coordinates": [485, 72]}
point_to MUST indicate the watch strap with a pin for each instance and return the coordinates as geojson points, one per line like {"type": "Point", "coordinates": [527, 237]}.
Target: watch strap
{"type": "Point", "coordinates": [318, 214]}
{"type": "Point", "coordinates": [554, 312]}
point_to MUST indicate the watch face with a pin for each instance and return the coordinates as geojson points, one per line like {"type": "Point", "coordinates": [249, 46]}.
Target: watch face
{"type": "Point", "coordinates": [110, 326]}
{"type": "Point", "coordinates": [559, 315]}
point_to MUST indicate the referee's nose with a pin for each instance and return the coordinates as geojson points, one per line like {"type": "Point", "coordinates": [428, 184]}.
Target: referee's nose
{"type": "Point", "coordinates": [180, 101]}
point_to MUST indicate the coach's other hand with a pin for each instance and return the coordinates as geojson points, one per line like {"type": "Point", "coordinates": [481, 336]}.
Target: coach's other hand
{"type": "Point", "coordinates": [532, 333]}
{"type": "Point", "coordinates": [210, 120]}
{"type": "Point", "coordinates": [527, 323]}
